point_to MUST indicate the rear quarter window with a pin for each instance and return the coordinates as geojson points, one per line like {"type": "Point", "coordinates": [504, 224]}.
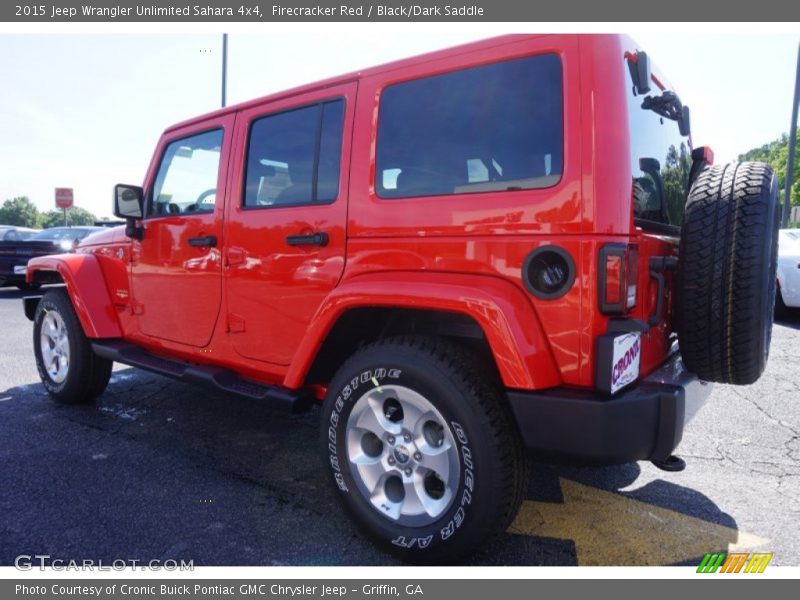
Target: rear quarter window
{"type": "Point", "coordinates": [491, 128]}
{"type": "Point", "coordinates": [660, 163]}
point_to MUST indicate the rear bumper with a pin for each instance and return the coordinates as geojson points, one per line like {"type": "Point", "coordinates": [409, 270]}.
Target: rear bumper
{"type": "Point", "coordinates": [643, 423]}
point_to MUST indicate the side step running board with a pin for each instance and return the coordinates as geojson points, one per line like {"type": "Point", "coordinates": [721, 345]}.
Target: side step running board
{"type": "Point", "coordinates": [223, 379]}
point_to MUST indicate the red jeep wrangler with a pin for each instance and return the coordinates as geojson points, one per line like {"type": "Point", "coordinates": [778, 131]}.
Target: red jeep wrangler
{"type": "Point", "coordinates": [463, 255]}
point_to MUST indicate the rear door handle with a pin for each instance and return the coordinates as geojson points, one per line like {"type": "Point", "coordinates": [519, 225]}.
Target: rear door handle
{"type": "Point", "coordinates": [319, 238]}
{"type": "Point", "coordinates": [209, 241]}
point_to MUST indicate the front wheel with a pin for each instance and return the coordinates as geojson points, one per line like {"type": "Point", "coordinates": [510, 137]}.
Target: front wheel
{"type": "Point", "coordinates": [422, 448]}
{"type": "Point", "coordinates": [69, 369]}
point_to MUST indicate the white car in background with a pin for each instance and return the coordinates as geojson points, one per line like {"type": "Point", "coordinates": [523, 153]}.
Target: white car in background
{"type": "Point", "coordinates": [788, 268]}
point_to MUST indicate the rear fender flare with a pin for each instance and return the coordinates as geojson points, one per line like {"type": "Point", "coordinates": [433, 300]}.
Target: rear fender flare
{"type": "Point", "coordinates": [86, 287]}
{"type": "Point", "coordinates": [501, 309]}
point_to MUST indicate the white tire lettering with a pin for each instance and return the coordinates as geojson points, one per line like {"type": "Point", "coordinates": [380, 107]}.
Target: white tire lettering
{"type": "Point", "coordinates": [462, 437]}
{"type": "Point", "coordinates": [448, 530]}
{"type": "Point", "coordinates": [469, 483]}
{"type": "Point", "coordinates": [336, 413]}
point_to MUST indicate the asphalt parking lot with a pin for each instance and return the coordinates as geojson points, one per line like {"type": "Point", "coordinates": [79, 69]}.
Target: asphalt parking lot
{"type": "Point", "coordinates": [160, 469]}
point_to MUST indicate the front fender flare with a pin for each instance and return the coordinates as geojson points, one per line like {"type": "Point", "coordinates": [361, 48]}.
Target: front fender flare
{"type": "Point", "coordinates": [86, 288]}
{"type": "Point", "coordinates": [501, 309]}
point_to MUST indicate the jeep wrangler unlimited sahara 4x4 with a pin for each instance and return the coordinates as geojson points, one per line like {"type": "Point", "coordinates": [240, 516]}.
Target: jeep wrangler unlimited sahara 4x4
{"type": "Point", "coordinates": [464, 255]}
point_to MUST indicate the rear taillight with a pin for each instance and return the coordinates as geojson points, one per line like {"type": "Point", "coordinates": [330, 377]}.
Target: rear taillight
{"type": "Point", "coordinates": [618, 269]}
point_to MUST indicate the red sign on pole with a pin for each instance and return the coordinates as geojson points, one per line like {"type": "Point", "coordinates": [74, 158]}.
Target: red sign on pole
{"type": "Point", "coordinates": [63, 197]}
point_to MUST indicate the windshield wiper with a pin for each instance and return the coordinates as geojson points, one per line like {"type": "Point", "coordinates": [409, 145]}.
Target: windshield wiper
{"type": "Point", "coordinates": [669, 106]}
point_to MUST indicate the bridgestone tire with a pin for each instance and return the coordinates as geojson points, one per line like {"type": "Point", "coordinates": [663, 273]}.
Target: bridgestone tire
{"type": "Point", "coordinates": [491, 464]}
{"type": "Point", "coordinates": [87, 374]}
{"type": "Point", "coordinates": [726, 272]}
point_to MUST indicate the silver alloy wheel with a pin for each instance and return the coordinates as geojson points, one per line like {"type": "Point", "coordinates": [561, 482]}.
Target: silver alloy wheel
{"type": "Point", "coordinates": [402, 455]}
{"type": "Point", "coordinates": [54, 346]}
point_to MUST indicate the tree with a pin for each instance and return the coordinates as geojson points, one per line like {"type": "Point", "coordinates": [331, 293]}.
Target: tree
{"type": "Point", "coordinates": [675, 175]}
{"type": "Point", "coordinates": [776, 153]}
{"type": "Point", "coordinates": [75, 216]}
{"type": "Point", "coordinates": [20, 211]}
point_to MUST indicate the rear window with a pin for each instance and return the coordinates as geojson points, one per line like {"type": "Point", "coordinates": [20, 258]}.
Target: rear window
{"type": "Point", "coordinates": [660, 163]}
{"type": "Point", "coordinates": [489, 128]}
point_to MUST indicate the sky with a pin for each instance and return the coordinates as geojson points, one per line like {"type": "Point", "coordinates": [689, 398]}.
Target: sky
{"type": "Point", "coordinates": [86, 110]}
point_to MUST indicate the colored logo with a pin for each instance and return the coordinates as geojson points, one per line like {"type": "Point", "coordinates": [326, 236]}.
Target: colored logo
{"type": "Point", "coordinates": [735, 562]}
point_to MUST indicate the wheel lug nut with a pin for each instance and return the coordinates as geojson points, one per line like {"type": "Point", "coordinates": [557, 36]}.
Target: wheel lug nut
{"type": "Point", "coordinates": [417, 456]}
{"type": "Point", "coordinates": [407, 437]}
{"type": "Point", "coordinates": [391, 460]}
{"type": "Point", "coordinates": [390, 439]}
{"type": "Point", "coordinates": [408, 472]}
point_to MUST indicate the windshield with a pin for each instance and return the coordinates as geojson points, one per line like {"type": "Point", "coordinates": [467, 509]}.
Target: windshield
{"type": "Point", "coordinates": [62, 233]}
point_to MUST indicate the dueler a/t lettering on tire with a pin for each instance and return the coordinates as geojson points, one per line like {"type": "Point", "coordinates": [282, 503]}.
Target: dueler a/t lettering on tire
{"type": "Point", "coordinates": [422, 448]}
{"type": "Point", "coordinates": [70, 371]}
{"type": "Point", "coordinates": [726, 272]}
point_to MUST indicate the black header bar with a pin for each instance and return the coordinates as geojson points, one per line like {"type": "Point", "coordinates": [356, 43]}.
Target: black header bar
{"type": "Point", "coordinates": [532, 11]}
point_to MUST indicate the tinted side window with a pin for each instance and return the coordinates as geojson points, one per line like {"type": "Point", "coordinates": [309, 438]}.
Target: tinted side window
{"type": "Point", "coordinates": [187, 177]}
{"type": "Point", "coordinates": [293, 157]}
{"type": "Point", "coordinates": [488, 128]}
{"type": "Point", "coordinates": [660, 162]}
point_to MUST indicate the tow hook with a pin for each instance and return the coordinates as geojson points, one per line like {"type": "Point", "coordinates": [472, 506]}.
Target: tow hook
{"type": "Point", "coordinates": [672, 463]}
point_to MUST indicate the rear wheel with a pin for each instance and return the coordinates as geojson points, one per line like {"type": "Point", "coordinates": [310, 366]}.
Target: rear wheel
{"type": "Point", "coordinates": [68, 367]}
{"type": "Point", "coordinates": [726, 272]}
{"type": "Point", "coordinates": [422, 448]}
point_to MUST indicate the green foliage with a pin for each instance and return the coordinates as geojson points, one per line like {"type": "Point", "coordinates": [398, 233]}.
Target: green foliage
{"type": "Point", "coordinates": [675, 174]}
{"type": "Point", "coordinates": [75, 216]}
{"type": "Point", "coordinates": [21, 212]}
{"type": "Point", "coordinates": [776, 154]}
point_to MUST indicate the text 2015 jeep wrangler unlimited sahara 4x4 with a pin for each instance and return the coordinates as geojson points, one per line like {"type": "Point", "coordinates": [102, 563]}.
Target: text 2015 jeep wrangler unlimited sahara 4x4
{"type": "Point", "coordinates": [462, 255]}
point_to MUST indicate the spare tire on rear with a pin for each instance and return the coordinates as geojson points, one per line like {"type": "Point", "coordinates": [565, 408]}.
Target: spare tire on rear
{"type": "Point", "coordinates": [726, 272]}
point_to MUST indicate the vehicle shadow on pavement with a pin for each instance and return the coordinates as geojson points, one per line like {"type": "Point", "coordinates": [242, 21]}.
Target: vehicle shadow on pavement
{"type": "Point", "coordinates": [162, 469]}
{"type": "Point", "coordinates": [12, 293]}
{"type": "Point", "coordinates": [790, 318]}
{"type": "Point", "coordinates": [589, 508]}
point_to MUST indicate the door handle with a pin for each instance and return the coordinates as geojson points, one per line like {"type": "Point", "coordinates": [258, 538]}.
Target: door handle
{"type": "Point", "coordinates": [319, 238]}
{"type": "Point", "coordinates": [209, 241]}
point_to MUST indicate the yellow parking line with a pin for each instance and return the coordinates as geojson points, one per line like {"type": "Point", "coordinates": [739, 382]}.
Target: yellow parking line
{"type": "Point", "coordinates": [611, 529]}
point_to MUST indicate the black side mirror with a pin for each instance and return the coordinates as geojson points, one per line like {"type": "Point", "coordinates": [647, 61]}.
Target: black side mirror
{"type": "Point", "coordinates": [652, 167]}
{"type": "Point", "coordinates": [129, 205]}
{"type": "Point", "coordinates": [128, 201]}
